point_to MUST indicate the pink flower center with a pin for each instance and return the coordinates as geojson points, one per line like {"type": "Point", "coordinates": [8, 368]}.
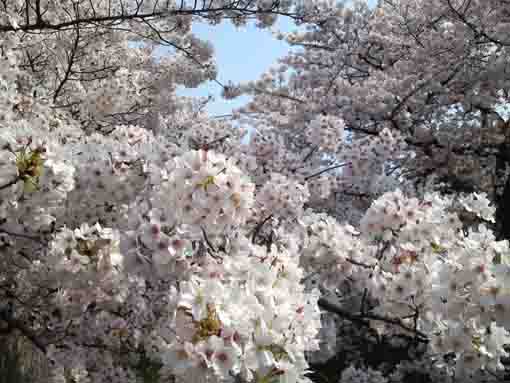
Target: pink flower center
{"type": "Point", "coordinates": [222, 357]}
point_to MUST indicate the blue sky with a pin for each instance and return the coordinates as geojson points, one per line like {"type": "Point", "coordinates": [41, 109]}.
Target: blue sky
{"type": "Point", "coordinates": [242, 54]}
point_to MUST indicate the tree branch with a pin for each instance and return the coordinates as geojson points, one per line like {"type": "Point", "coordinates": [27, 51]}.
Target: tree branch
{"type": "Point", "coordinates": [10, 183]}
{"type": "Point", "coordinates": [15, 324]}
{"type": "Point", "coordinates": [364, 318]}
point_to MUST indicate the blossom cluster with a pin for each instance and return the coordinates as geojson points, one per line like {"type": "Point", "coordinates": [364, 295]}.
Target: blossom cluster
{"type": "Point", "coordinates": [451, 284]}
{"type": "Point", "coordinates": [249, 317]}
{"type": "Point", "coordinates": [229, 308]}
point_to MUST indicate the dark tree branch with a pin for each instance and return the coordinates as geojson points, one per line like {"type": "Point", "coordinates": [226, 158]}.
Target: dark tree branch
{"type": "Point", "coordinates": [15, 324]}
{"type": "Point", "coordinates": [110, 18]}
{"type": "Point", "coordinates": [70, 63]}
{"type": "Point", "coordinates": [327, 170]}
{"type": "Point", "coordinates": [10, 183]}
{"type": "Point", "coordinates": [257, 229]}
{"type": "Point", "coordinates": [364, 318]}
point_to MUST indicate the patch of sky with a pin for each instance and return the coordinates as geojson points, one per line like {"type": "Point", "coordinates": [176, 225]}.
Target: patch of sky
{"type": "Point", "coordinates": [242, 55]}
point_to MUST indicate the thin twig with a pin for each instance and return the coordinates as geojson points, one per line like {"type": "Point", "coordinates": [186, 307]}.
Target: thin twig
{"type": "Point", "coordinates": [207, 240]}
{"type": "Point", "coordinates": [10, 183]}
{"type": "Point", "coordinates": [21, 235]}
{"type": "Point", "coordinates": [327, 170]}
{"type": "Point", "coordinates": [257, 229]}
{"type": "Point", "coordinates": [364, 265]}
{"type": "Point", "coordinates": [216, 141]}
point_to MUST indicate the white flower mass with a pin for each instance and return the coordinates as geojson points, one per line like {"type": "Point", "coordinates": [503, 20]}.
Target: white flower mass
{"type": "Point", "coordinates": [360, 193]}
